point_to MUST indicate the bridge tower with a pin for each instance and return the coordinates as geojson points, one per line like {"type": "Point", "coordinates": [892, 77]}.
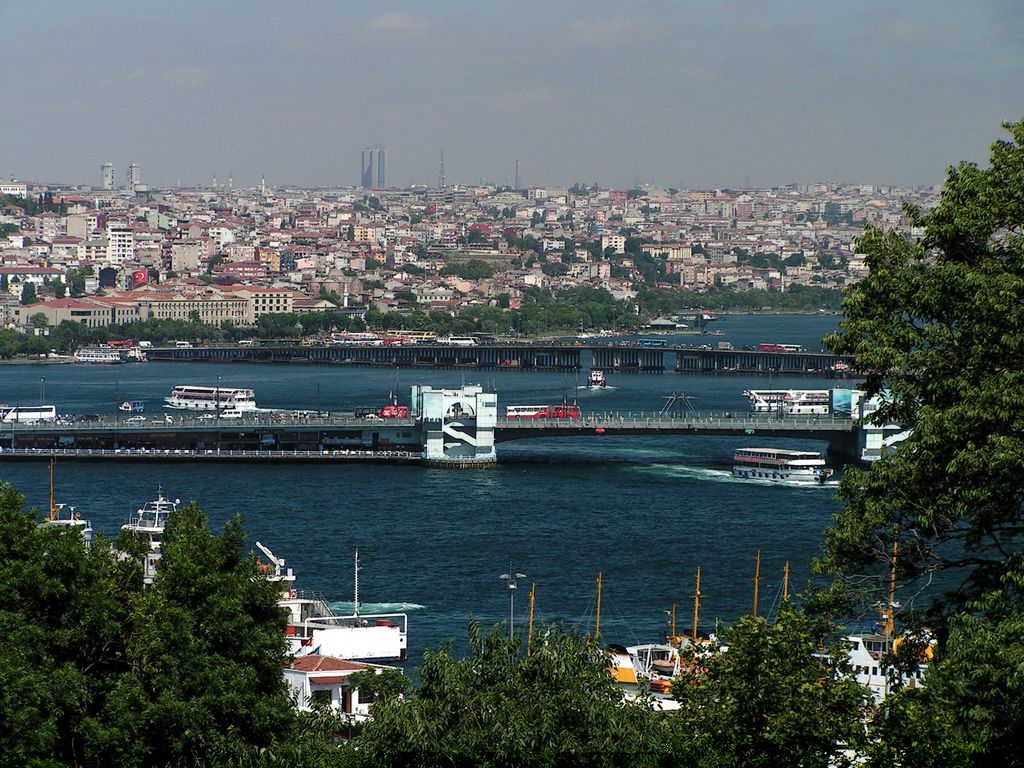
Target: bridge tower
{"type": "Point", "coordinates": [457, 425]}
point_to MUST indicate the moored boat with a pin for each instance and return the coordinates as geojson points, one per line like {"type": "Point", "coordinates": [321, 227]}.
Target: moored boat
{"type": "Point", "coordinates": [148, 522]}
{"type": "Point", "coordinates": [314, 628]}
{"type": "Point", "coordinates": [597, 379]}
{"type": "Point", "coordinates": [780, 465]}
{"type": "Point", "coordinates": [98, 356]}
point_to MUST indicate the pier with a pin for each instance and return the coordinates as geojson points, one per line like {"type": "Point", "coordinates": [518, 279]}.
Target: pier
{"type": "Point", "coordinates": [617, 357]}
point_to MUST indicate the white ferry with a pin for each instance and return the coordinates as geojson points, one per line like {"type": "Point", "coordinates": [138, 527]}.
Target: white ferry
{"type": "Point", "coordinates": [780, 465]}
{"type": "Point", "coordinates": [796, 402]}
{"type": "Point", "coordinates": [313, 628]}
{"type": "Point", "coordinates": [98, 356]}
{"type": "Point", "coordinates": [191, 398]}
{"type": "Point", "coordinates": [596, 380]}
{"type": "Point", "coordinates": [148, 522]}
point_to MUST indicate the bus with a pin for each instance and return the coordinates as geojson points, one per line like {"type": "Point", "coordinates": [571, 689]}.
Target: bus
{"type": "Point", "coordinates": [652, 343]}
{"type": "Point", "coordinates": [542, 411]}
{"type": "Point", "coordinates": [768, 347]}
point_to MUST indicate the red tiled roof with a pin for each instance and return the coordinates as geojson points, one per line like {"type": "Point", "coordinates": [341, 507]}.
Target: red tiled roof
{"type": "Point", "coordinates": [316, 663]}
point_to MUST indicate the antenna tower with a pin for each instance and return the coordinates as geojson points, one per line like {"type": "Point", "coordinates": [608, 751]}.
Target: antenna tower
{"type": "Point", "coordinates": [441, 179]}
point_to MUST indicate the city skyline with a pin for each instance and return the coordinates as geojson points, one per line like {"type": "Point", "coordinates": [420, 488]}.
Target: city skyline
{"type": "Point", "coordinates": [735, 95]}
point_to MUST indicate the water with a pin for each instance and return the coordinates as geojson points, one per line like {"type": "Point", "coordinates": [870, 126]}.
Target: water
{"type": "Point", "coordinates": [644, 511]}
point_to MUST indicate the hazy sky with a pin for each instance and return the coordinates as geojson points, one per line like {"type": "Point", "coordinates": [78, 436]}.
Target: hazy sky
{"type": "Point", "coordinates": [671, 92]}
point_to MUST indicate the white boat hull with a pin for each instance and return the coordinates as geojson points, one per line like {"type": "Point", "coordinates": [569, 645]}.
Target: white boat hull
{"type": "Point", "coordinates": [797, 476]}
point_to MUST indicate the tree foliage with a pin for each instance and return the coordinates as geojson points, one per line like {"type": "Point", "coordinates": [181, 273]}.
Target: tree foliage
{"type": "Point", "coordinates": [780, 695]}
{"type": "Point", "coordinates": [938, 327]}
{"type": "Point", "coordinates": [97, 670]}
{"type": "Point", "coordinates": [499, 707]}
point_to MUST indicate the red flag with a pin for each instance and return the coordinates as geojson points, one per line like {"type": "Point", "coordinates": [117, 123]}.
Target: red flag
{"type": "Point", "coordinates": [140, 276]}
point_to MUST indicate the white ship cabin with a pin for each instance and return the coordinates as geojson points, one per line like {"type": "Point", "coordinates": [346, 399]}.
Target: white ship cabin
{"type": "Point", "coordinates": [68, 518]}
{"type": "Point", "coordinates": [316, 679]}
{"type": "Point", "coordinates": [196, 398]}
{"type": "Point", "coordinates": [149, 522]}
{"type": "Point", "coordinates": [795, 402]}
{"type": "Point", "coordinates": [867, 660]}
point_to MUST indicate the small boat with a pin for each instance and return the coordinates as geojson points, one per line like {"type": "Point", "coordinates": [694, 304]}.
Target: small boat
{"type": "Point", "coordinates": [132, 406]}
{"type": "Point", "coordinates": [64, 516]}
{"type": "Point", "coordinates": [597, 379]}
{"type": "Point", "coordinates": [313, 628]}
{"type": "Point", "coordinates": [148, 522]}
{"type": "Point", "coordinates": [780, 465]}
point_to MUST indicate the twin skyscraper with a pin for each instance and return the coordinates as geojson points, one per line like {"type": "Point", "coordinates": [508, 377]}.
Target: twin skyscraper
{"type": "Point", "coordinates": [374, 168]}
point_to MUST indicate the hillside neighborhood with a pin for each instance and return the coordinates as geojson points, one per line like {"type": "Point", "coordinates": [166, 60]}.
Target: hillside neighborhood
{"type": "Point", "coordinates": [227, 257]}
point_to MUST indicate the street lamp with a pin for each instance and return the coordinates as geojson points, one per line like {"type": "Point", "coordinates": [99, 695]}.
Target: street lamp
{"type": "Point", "coordinates": [512, 577]}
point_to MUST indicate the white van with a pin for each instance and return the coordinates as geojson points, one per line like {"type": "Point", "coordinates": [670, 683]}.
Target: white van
{"type": "Point", "coordinates": [183, 345]}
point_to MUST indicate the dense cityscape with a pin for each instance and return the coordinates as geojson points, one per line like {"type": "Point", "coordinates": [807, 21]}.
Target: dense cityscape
{"type": "Point", "coordinates": [226, 257]}
{"type": "Point", "coordinates": [512, 384]}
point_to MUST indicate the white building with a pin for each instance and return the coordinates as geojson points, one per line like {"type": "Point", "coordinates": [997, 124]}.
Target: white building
{"type": "Point", "coordinates": [316, 679]}
{"type": "Point", "coordinates": [14, 189]}
{"type": "Point", "coordinates": [120, 244]}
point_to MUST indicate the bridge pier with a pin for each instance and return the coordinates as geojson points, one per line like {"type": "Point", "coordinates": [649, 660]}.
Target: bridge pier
{"type": "Point", "coordinates": [456, 426]}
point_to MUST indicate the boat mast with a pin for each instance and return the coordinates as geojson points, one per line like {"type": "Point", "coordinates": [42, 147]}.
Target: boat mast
{"type": "Point", "coordinates": [890, 618]}
{"type": "Point", "coordinates": [757, 578]}
{"type": "Point", "coordinates": [355, 584]}
{"type": "Point", "coordinates": [785, 582]}
{"type": "Point", "coordinates": [529, 631]}
{"type": "Point", "coordinates": [672, 624]}
{"type": "Point", "coordinates": [597, 625]}
{"type": "Point", "coordinates": [696, 606]}
{"type": "Point", "coordinates": [53, 507]}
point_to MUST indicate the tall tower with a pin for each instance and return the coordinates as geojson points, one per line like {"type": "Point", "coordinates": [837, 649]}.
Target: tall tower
{"type": "Point", "coordinates": [374, 168]}
{"type": "Point", "coordinates": [132, 176]}
{"type": "Point", "coordinates": [107, 170]}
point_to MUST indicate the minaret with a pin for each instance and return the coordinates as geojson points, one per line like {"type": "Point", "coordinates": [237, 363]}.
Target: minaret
{"type": "Point", "coordinates": [517, 176]}
{"type": "Point", "coordinates": [263, 185]}
{"type": "Point", "coordinates": [230, 184]}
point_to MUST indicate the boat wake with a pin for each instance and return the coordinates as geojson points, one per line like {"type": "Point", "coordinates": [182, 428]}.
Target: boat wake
{"type": "Point", "coordinates": [605, 388]}
{"type": "Point", "coordinates": [707, 474]}
{"type": "Point", "coordinates": [344, 607]}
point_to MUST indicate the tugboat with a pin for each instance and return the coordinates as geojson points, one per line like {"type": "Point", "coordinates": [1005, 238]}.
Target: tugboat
{"type": "Point", "coordinates": [596, 380]}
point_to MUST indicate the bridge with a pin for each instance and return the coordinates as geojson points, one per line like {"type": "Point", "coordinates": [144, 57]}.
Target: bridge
{"type": "Point", "coordinates": [617, 356]}
{"type": "Point", "coordinates": [457, 438]}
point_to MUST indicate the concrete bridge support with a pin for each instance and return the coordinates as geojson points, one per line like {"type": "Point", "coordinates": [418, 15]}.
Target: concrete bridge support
{"type": "Point", "coordinates": [457, 425]}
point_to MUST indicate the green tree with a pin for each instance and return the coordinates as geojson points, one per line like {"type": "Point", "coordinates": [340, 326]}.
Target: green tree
{"type": "Point", "coordinates": [28, 294]}
{"type": "Point", "coordinates": [558, 705]}
{"type": "Point", "coordinates": [206, 652]}
{"type": "Point", "coordinates": [780, 695]}
{"type": "Point", "coordinates": [970, 711]}
{"type": "Point", "coordinates": [938, 327]}
{"type": "Point", "coordinates": [39, 320]}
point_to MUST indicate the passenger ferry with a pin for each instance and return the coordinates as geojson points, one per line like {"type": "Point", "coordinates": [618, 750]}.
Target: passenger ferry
{"type": "Point", "coordinates": [148, 523]}
{"type": "Point", "coordinates": [191, 398]}
{"type": "Point", "coordinates": [132, 406]}
{"type": "Point", "coordinates": [596, 380]}
{"type": "Point", "coordinates": [98, 356]}
{"type": "Point", "coordinates": [795, 402]}
{"type": "Point", "coordinates": [780, 465]}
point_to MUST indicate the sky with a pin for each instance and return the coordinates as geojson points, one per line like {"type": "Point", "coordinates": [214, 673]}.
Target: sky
{"type": "Point", "coordinates": [673, 93]}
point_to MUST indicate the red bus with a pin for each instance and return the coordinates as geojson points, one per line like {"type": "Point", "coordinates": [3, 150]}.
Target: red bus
{"type": "Point", "coordinates": [542, 412]}
{"type": "Point", "coordinates": [780, 347]}
{"type": "Point", "coordinates": [394, 412]}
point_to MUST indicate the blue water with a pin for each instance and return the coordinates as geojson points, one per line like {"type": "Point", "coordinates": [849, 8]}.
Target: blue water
{"type": "Point", "coordinates": [644, 511]}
